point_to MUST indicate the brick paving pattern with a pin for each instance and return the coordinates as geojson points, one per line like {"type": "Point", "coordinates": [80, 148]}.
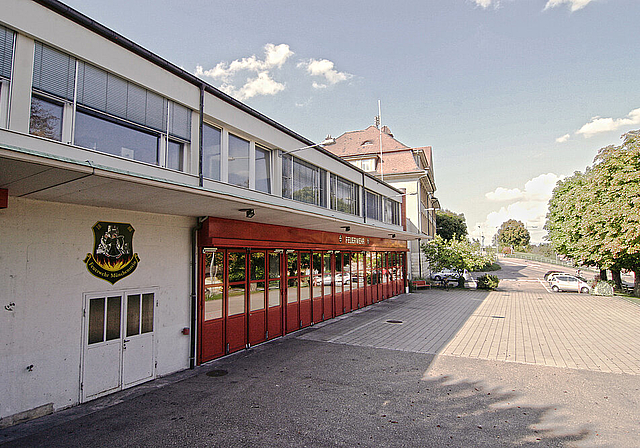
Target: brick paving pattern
{"type": "Point", "coordinates": [521, 322]}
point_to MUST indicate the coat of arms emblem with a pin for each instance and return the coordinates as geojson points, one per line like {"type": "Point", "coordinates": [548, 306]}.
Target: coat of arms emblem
{"type": "Point", "coordinates": [113, 258]}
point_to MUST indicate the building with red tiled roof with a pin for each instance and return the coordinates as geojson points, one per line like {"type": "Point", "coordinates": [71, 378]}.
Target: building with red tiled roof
{"type": "Point", "coordinates": [378, 152]}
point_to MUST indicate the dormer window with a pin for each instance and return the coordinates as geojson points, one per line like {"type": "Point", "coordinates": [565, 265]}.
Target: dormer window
{"type": "Point", "coordinates": [367, 143]}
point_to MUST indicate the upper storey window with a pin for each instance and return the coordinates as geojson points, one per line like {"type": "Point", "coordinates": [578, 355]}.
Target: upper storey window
{"type": "Point", "coordinates": [112, 115]}
{"type": "Point", "coordinates": [238, 161]}
{"type": "Point", "coordinates": [6, 62]}
{"type": "Point", "coordinates": [344, 195]}
{"type": "Point", "coordinates": [303, 181]}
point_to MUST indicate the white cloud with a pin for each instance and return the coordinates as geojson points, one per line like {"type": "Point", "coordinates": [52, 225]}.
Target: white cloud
{"type": "Point", "coordinates": [275, 56]}
{"type": "Point", "coordinates": [564, 138]}
{"type": "Point", "coordinates": [324, 68]}
{"type": "Point", "coordinates": [529, 205]}
{"type": "Point", "coordinates": [574, 5]}
{"type": "Point", "coordinates": [504, 194]}
{"type": "Point", "coordinates": [598, 124]}
{"type": "Point", "coordinates": [263, 84]}
{"type": "Point", "coordinates": [484, 3]}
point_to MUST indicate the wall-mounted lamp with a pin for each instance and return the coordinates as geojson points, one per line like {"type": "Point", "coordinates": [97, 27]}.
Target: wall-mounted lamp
{"type": "Point", "coordinates": [328, 141]}
{"type": "Point", "coordinates": [346, 228]}
{"type": "Point", "coordinates": [250, 213]}
{"type": "Point", "coordinates": [392, 235]}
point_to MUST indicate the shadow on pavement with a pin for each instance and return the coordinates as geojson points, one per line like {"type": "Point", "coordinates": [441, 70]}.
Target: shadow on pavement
{"type": "Point", "coordinates": [294, 393]}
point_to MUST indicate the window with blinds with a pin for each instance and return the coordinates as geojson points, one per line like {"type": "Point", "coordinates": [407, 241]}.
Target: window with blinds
{"type": "Point", "coordinates": [344, 195]}
{"type": "Point", "coordinates": [53, 72]}
{"type": "Point", "coordinates": [391, 211]}
{"type": "Point", "coordinates": [303, 181]}
{"type": "Point", "coordinates": [6, 52]}
{"type": "Point", "coordinates": [373, 205]}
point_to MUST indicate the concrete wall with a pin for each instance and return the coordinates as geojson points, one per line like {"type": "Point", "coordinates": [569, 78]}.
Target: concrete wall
{"type": "Point", "coordinates": [43, 279]}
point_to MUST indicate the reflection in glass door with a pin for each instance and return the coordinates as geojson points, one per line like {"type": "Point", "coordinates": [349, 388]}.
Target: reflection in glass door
{"type": "Point", "coordinates": [257, 298]}
{"type": "Point", "coordinates": [293, 301]}
{"type": "Point", "coordinates": [305, 288]}
{"type": "Point", "coordinates": [236, 322]}
{"type": "Point", "coordinates": [274, 320]}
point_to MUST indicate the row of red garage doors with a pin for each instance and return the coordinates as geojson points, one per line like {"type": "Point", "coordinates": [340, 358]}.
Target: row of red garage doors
{"type": "Point", "coordinates": [250, 296]}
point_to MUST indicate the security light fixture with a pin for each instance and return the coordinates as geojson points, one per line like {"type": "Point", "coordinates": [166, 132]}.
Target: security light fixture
{"type": "Point", "coordinates": [249, 212]}
{"type": "Point", "coordinates": [392, 235]}
{"type": "Point", "coordinates": [346, 228]}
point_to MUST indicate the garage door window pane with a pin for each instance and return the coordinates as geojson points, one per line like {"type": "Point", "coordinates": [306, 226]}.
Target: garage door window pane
{"type": "Point", "coordinates": [133, 315]}
{"type": "Point", "coordinates": [96, 320]}
{"type": "Point", "coordinates": [113, 317]}
{"type": "Point", "coordinates": [147, 313]}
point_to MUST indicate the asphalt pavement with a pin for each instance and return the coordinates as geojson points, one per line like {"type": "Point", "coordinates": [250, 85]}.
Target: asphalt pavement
{"type": "Point", "coordinates": [519, 366]}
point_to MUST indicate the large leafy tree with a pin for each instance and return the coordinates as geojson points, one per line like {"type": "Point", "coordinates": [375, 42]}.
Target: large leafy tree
{"type": "Point", "coordinates": [450, 225]}
{"type": "Point", "coordinates": [594, 217]}
{"type": "Point", "coordinates": [514, 233]}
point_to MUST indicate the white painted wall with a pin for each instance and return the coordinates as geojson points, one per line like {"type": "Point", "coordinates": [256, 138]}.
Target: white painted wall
{"type": "Point", "coordinates": [42, 248]}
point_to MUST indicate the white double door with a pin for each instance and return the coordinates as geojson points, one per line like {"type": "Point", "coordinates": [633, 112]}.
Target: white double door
{"type": "Point", "coordinates": [118, 341]}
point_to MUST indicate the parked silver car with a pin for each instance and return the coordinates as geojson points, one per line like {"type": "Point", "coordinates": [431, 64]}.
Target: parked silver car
{"type": "Point", "coordinates": [566, 282]}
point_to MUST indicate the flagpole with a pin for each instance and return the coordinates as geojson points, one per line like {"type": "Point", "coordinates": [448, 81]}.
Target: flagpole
{"type": "Point", "coordinates": [380, 130]}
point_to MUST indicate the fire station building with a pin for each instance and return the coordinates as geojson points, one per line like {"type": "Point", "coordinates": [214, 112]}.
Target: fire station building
{"type": "Point", "coordinates": [150, 223]}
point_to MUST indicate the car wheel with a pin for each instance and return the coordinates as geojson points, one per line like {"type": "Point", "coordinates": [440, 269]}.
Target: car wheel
{"type": "Point", "coordinates": [584, 290]}
{"type": "Point", "coordinates": [554, 288]}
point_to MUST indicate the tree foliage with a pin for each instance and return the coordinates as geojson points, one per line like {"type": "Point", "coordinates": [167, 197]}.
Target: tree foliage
{"type": "Point", "coordinates": [513, 233]}
{"type": "Point", "coordinates": [456, 253]}
{"type": "Point", "coordinates": [450, 225]}
{"type": "Point", "coordinates": [594, 217]}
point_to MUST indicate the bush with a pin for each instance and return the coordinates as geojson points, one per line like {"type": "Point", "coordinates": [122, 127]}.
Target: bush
{"type": "Point", "coordinates": [491, 266]}
{"type": "Point", "coordinates": [488, 281]}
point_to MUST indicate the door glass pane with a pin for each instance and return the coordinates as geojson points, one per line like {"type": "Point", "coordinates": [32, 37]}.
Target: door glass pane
{"type": "Point", "coordinates": [213, 285]}
{"type": "Point", "coordinates": [346, 272]}
{"type": "Point", "coordinates": [292, 290]}
{"type": "Point", "coordinates": [316, 272]}
{"type": "Point", "coordinates": [305, 263]}
{"type": "Point", "coordinates": [292, 264]}
{"type": "Point", "coordinates": [338, 279]}
{"type": "Point", "coordinates": [236, 266]}
{"type": "Point", "coordinates": [113, 317]}
{"type": "Point", "coordinates": [257, 266]}
{"type": "Point", "coordinates": [256, 296]}
{"type": "Point", "coordinates": [305, 288]}
{"type": "Point", "coordinates": [133, 315]}
{"type": "Point", "coordinates": [274, 293]}
{"type": "Point", "coordinates": [147, 313]}
{"type": "Point", "coordinates": [274, 265]}
{"type": "Point", "coordinates": [327, 263]}
{"type": "Point", "coordinates": [96, 320]}
{"type": "Point", "coordinates": [236, 299]}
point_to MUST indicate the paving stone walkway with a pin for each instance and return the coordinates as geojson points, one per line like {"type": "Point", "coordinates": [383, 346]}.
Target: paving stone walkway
{"type": "Point", "coordinates": [521, 322]}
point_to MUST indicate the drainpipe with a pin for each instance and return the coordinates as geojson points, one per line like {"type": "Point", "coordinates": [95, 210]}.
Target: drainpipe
{"type": "Point", "coordinates": [419, 259]}
{"type": "Point", "coordinates": [194, 290]}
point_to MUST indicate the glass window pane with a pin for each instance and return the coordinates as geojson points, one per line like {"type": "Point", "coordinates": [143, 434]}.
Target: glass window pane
{"type": "Point", "coordinates": [263, 170]}
{"type": "Point", "coordinates": [236, 266]}
{"type": "Point", "coordinates": [305, 288]}
{"type": "Point", "coordinates": [305, 263]}
{"type": "Point", "coordinates": [344, 195]}
{"type": "Point", "coordinates": [113, 317]}
{"type": "Point", "coordinates": [338, 280]}
{"type": "Point", "coordinates": [236, 299]}
{"type": "Point", "coordinates": [292, 264]}
{"type": "Point", "coordinates": [274, 293]}
{"type": "Point", "coordinates": [292, 290]}
{"type": "Point", "coordinates": [257, 266]}
{"type": "Point", "coordinates": [175, 153]}
{"type": "Point", "coordinates": [238, 161]}
{"type": "Point", "coordinates": [274, 265]}
{"type": "Point", "coordinates": [133, 315]}
{"type": "Point", "coordinates": [112, 138]}
{"type": "Point", "coordinates": [211, 138]}
{"type": "Point", "coordinates": [96, 320]}
{"type": "Point", "coordinates": [46, 118]}
{"type": "Point", "coordinates": [327, 263]}
{"type": "Point", "coordinates": [346, 271]}
{"type": "Point", "coordinates": [213, 285]}
{"type": "Point", "coordinates": [147, 313]}
{"type": "Point", "coordinates": [287, 176]}
{"type": "Point", "coordinates": [256, 296]}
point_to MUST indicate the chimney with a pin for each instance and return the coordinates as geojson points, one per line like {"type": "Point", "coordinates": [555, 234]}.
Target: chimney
{"type": "Point", "coordinates": [387, 131]}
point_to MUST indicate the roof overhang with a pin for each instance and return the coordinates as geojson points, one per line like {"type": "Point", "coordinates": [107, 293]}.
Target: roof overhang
{"type": "Point", "coordinates": [39, 177]}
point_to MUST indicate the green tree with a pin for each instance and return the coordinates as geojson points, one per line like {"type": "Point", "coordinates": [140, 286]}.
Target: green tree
{"type": "Point", "coordinates": [450, 224]}
{"type": "Point", "coordinates": [594, 217]}
{"type": "Point", "coordinates": [456, 253]}
{"type": "Point", "coordinates": [513, 233]}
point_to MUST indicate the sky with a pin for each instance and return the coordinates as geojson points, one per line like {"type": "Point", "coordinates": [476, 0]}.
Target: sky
{"type": "Point", "coordinates": [512, 95]}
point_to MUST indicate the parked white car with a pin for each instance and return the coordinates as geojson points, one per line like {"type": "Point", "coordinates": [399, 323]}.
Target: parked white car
{"type": "Point", "coordinates": [566, 282]}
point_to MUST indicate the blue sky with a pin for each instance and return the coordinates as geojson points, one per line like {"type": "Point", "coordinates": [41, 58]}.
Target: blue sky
{"type": "Point", "coordinates": [511, 94]}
